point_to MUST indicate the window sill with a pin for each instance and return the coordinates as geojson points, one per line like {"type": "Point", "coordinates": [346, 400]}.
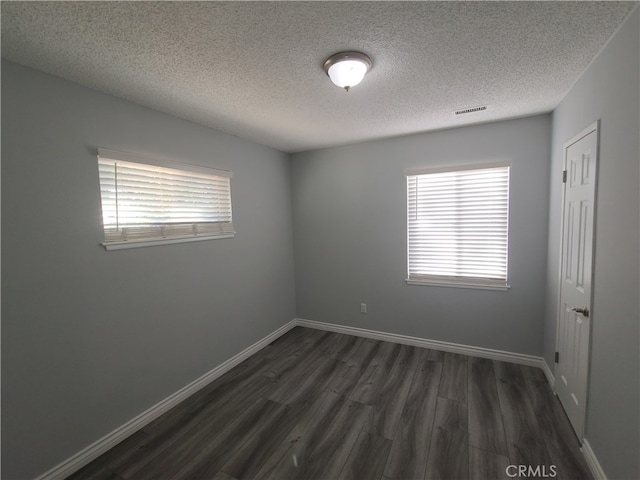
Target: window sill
{"type": "Point", "coordinates": [475, 286]}
{"type": "Point", "coordinates": [165, 241]}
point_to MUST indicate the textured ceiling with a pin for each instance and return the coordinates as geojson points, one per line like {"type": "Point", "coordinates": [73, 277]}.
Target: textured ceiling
{"type": "Point", "coordinates": [254, 69]}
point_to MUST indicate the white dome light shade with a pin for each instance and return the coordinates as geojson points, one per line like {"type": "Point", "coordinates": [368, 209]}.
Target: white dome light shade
{"type": "Point", "coordinates": [347, 69]}
{"type": "Point", "coordinates": [347, 73]}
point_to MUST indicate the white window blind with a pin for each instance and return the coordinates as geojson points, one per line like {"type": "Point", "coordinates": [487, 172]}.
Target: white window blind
{"type": "Point", "coordinates": [146, 200]}
{"type": "Point", "coordinates": [458, 226]}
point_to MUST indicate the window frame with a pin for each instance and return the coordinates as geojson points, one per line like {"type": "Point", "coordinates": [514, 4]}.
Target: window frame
{"type": "Point", "coordinates": [484, 283]}
{"type": "Point", "coordinates": [228, 231]}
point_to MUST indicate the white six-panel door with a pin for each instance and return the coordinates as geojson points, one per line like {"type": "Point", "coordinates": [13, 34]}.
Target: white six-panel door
{"type": "Point", "coordinates": [574, 317]}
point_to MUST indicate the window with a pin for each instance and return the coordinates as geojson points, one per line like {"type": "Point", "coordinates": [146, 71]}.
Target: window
{"type": "Point", "coordinates": [457, 222]}
{"type": "Point", "coordinates": [151, 202]}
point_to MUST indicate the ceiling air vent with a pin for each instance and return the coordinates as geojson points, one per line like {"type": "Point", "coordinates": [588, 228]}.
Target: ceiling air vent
{"type": "Point", "coordinates": [470, 110]}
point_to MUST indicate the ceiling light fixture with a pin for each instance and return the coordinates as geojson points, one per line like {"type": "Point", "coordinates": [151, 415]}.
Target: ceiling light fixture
{"type": "Point", "coordinates": [347, 69]}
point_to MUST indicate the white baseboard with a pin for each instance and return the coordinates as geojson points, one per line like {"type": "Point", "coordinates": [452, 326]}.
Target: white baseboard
{"type": "Point", "coordinates": [482, 352]}
{"type": "Point", "coordinates": [592, 461]}
{"type": "Point", "coordinates": [548, 373]}
{"type": "Point", "coordinates": [110, 440]}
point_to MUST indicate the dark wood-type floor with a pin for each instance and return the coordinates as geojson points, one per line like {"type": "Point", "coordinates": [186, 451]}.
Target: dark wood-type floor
{"type": "Point", "coordinates": [321, 405]}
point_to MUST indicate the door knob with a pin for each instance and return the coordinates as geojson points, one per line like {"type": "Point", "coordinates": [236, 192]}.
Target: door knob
{"type": "Point", "coordinates": [584, 311]}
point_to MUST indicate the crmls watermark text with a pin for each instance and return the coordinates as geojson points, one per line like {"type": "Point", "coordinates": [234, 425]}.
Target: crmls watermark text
{"type": "Point", "coordinates": [529, 471]}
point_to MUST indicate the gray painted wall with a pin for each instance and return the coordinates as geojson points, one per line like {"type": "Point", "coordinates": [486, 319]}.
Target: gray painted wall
{"type": "Point", "coordinates": [349, 216]}
{"type": "Point", "coordinates": [609, 90]}
{"type": "Point", "coordinates": [90, 338]}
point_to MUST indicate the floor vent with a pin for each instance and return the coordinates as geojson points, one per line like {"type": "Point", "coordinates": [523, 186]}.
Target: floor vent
{"type": "Point", "coordinates": [471, 110]}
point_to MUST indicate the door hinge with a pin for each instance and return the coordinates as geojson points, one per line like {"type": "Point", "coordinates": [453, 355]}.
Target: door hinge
{"type": "Point", "coordinates": [557, 358]}
{"type": "Point", "coordinates": [564, 176]}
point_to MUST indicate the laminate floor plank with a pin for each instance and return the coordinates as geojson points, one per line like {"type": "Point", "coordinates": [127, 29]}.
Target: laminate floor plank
{"type": "Point", "coordinates": [113, 459]}
{"type": "Point", "coordinates": [304, 343]}
{"type": "Point", "coordinates": [408, 455]}
{"type": "Point", "coordinates": [298, 347]}
{"type": "Point", "coordinates": [362, 353]}
{"type": "Point", "coordinates": [331, 451]}
{"type": "Point", "coordinates": [318, 382]}
{"type": "Point", "coordinates": [367, 458]}
{"type": "Point", "coordinates": [211, 454]}
{"type": "Point", "coordinates": [281, 366]}
{"type": "Point", "coordinates": [181, 457]}
{"type": "Point", "coordinates": [357, 359]}
{"type": "Point", "coordinates": [333, 423]}
{"type": "Point", "coordinates": [340, 347]}
{"type": "Point", "coordinates": [376, 374]}
{"type": "Point", "coordinates": [453, 383]}
{"type": "Point", "coordinates": [561, 443]}
{"type": "Point", "coordinates": [525, 439]}
{"type": "Point", "coordinates": [295, 380]}
{"type": "Point", "coordinates": [223, 476]}
{"type": "Point", "coordinates": [293, 339]}
{"type": "Point", "coordinates": [436, 355]}
{"type": "Point", "coordinates": [182, 437]}
{"type": "Point", "coordinates": [306, 381]}
{"type": "Point", "coordinates": [325, 346]}
{"type": "Point", "coordinates": [323, 405]}
{"type": "Point", "coordinates": [390, 399]}
{"type": "Point", "coordinates": [263, 442]}
{"type": "Point", "coordinates": [484, 465]}
{"type": "Point", "coordinates": [345, 380]}
{"type": "Point", "coordinates": [95, 472]}
{"type": "Point", "coordinates": [449, 448]}
{"type": "Point", "coordinates": [486, 429]}
{"type": "Point", "coordinates": [283, 354]}
{"type": "Point", "coordinates": [318, 412]}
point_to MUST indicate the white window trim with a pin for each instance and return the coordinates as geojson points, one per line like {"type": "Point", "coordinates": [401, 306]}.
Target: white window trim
{"type": "Point", "coordinates": [456, 168]}
{"type": "Point", "coordinates": [480, 284]}
{"type": "Point", "coordinates": [475, 286]}
{"type": "Point", "coordinates": [150, 242]}
{"type": "Point", "coordinates": [153, 243]}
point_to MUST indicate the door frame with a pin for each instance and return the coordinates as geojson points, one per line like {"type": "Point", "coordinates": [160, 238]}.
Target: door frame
{"type": "Point", "coordinates": [595, 126]}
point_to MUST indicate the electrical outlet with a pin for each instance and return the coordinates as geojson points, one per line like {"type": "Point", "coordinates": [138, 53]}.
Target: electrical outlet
{"type": "Point", "coordinates": [363, 308]}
